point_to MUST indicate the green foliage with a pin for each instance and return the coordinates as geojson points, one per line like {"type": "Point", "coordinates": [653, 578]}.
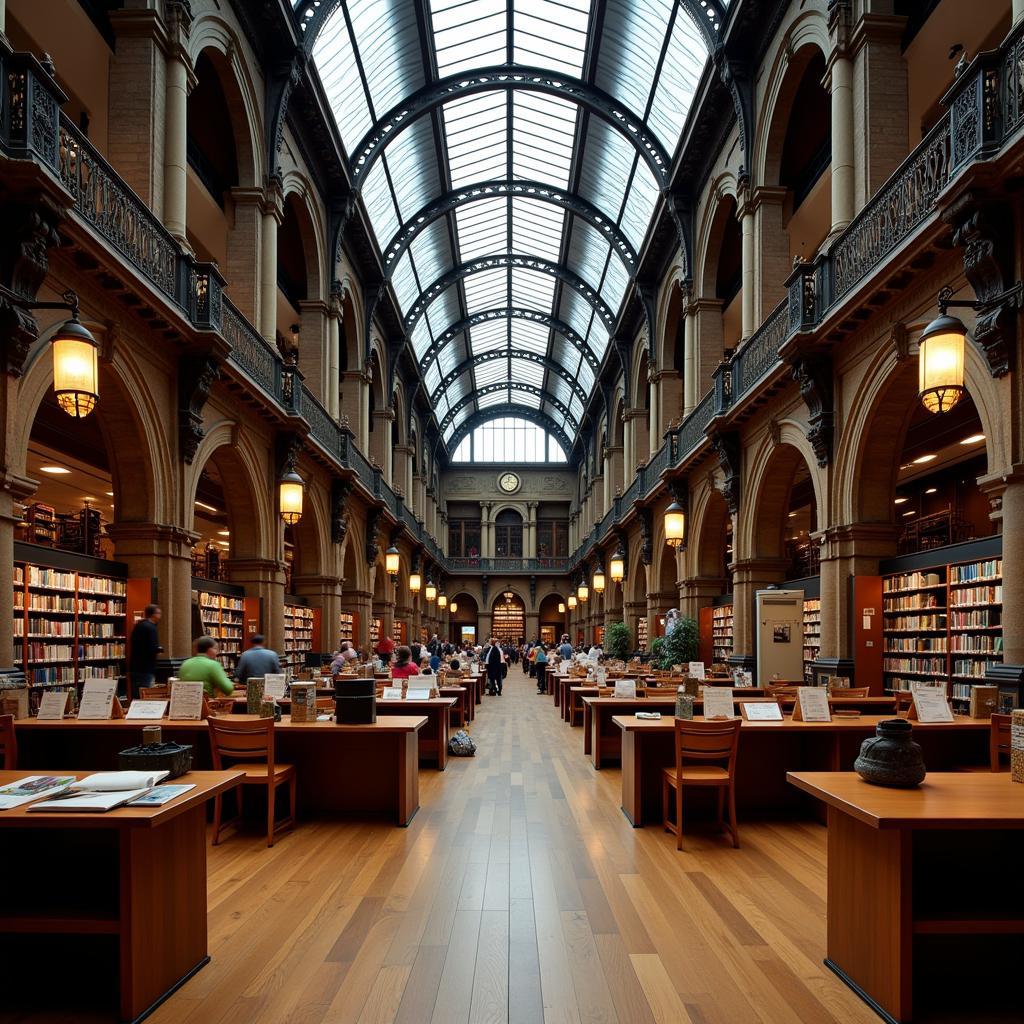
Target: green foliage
{"type": "Point", "coordinates": [678, 648]}
{"type": "Point", "coordinates": [618, 641]}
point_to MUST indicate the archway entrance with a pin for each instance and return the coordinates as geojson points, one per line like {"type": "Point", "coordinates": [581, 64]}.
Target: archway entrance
{"type": "Point", "coordinates": [508, 618]}
{"type": "Point", "coordinates": [465, 620]}
{"type": "Point", "coordinates": [552, 621]}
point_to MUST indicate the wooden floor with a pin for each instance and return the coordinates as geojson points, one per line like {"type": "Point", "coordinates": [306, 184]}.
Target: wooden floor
{"type": "Point", "coordinates": [520, 893]}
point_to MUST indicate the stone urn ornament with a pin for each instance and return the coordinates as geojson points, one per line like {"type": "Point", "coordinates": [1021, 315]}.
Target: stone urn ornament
{"type": "Point", "coordinates": [891, 757]}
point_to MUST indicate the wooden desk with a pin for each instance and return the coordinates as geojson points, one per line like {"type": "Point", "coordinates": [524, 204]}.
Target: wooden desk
{"type": "Point", "coordinates": [340, 769]}
{"type": "Point", "coordinates": [465, 708]}
{"type": "Point", "coordinates": [768, 750]}
{"type": "Point", "coordinates": [433, 744]}
{"type": "Point", "coordinates": [136, 875]}
{"type": "Point", "coordinates": [905, 865]}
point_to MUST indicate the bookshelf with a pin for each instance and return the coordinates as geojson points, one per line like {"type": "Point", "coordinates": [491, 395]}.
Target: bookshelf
{"type": "Point", "coordinates": [398, 631]}
{"type": "Point", "coordinates": [375, 627]}
{"type": "Point", "coordinates": [68, 625]}
{"type": "Point", "coordinates": [223, 618]}
{"type": "Point", "coordinates": [299, 622]}
{"type": "Point", "coordinates": [721, 632]}
{"type": "Point", "coordinates": [508, 623]}
{"type": "Point", "coordinates": [641, 633]}
{"type": "Point", "coordinates": [348, 629]}
{"type": "Point", "coordinates": [812, 636]}
{"type": "Point", "coordinates": [942, 625]}
{"type": "Point", "coordinates": [599, 636]}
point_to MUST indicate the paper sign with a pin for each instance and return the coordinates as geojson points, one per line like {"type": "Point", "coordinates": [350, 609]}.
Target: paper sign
{"type": "Point", "coordinates": [625, 688]}
{"type": "Point", "coordinates": [392, 693]}
{"type": "Point", "coordinates": [53, 705]}
{"type": "Point", "coordinates": [718, 702]}
{"type": "Point", "coordinates": [186, 700]}
{"type": "Point", "coordinates": [696, 669]}
{"type": "Point", "coordinates": [97, 699]}
{"type": "Point", "coordinates": [813, 701]}
{"type": "Point", "coordinates": [931, 705]}
{"type": "Point", "coordinates": [764, 711]}
{"type": "Point", "coordinates": [274, 685]}
{"type": "Point", "coordinates": [417, 694]}
{"type": "Point", "coordinates": [147, 709]}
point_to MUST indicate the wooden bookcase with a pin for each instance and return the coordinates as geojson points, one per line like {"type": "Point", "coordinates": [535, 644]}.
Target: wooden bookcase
{"type": "Point", "coordinates": [301, 634]}
{"type": "Point", "coordinates": [228, 616]}
{"type": "Point", "coordinates": [721, 632]}
{"type": "Point", "coordinates": [812, 636]}
{"type": "Point", "coordinates": [641, 633]}
{"type": "Point", "coordinates": [348, 628]}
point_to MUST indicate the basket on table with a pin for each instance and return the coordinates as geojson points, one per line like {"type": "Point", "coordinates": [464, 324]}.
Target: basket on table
{"type": "Point", "coordinates": [175, 758]}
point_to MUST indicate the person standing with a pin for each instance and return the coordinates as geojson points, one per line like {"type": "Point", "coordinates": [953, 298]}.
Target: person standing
{"type": "Point", "coordinates": [565, 648]}
{"type": "Point", "coordinates": [257, 661]}
{"type": "Point", "coordinates": [144, 646]}
{"type": "Point", "coordinates": [541, 663]}
{"type": "Point", "coordinates": [385, 646]}
{"type": "Point", "coordinates": [494, 661]}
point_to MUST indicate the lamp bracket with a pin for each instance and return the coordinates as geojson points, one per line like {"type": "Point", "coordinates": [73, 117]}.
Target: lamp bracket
{"type": "Point", "coordinates": [69, 300]}
{"type": "Point", "coordinates": [994, 328]}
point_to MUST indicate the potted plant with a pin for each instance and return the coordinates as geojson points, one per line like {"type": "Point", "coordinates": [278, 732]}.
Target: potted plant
{"type": "Point", "coordinates": [618, 641]}
{"type": "Point", "coordinates": [678, 647]}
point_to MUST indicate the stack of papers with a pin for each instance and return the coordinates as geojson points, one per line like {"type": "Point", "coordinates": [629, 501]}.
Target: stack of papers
{"type": "Point", "coordinates": [102, 791]}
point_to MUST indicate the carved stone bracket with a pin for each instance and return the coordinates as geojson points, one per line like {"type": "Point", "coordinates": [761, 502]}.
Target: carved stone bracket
{"type": "Point", "coordinates": [727, 448]}
{"type": "Point", "coordinates": [373, 519]}
{"type": "Point", "coordinates": [341, 488]}
{"type": "Point", "coordinates": [646, 537]}
{"type": "Point", "coordinates": [813, 374]}
{"type": "Point", "coordinates": [196, 374]}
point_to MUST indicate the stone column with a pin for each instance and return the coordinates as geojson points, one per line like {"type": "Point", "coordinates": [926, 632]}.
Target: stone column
{"type": "Point", "coordinates": [531, 626]}
{"type": "Point", "coordinates": [402, 469]}
{"type": "Point", "coordinates": [749, 576]}
{"type": "Point", "coordinates": [483, 626]}
{"type": "Point", "coordinates": [333, 382]}
{"type": "Point", "coordinates": [668, 386]}
{"type": "Point", "coordinates": [262, 578]}
{"type": "Point", "coordinates": [749, 256]}
{"type": "Point", "coordinates": [1007, 499]}
{"type": "Point", "coordinates": [352, 405]}
{"type": "Point", "coordinates": [596, 500]}
{"type": "Point", "coordinates": [380, 446]}
{"type": "Point", "coordinates": [839, 82]}
{"type": "Point", "coordinates": [771, 243]}
{"type": "Point", "coordinates": [486, 537]}
{"type": "Point", "coordinates": [633, 612]}
{"type": "Point", "coordinates": [699, 592]}
{"type": "Point", "coordinates": [180, 79]}
{"type": "Point", "coordinates": [314, 346]}
{"type": "Point", "coordinates": [530, 546]}
{"type": "Point", "coordinates": [709, 346]}
{"type": "Point", "coordinates": [3, 28]}
{"type": "Point", "coordinates": [273, 214]}
{"type": "Point", "coordinates": [242, 268]}
{"type": "Point", "coordinates": [691, 365]}
{"type": "Point", "coordinates": [162, 554]}
{"type": "Point", "coordinates": [360, 602]}
{"type": "Point", "coordinates": [638, 450]}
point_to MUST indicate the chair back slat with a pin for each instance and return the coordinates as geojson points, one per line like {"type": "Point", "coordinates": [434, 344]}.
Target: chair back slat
{"type": "Point", "coordinates": [707, 741]}
{"type": "Point", "coordinates": [8, 743]}
{"type": "Point", "coordinates": [241, 739]}
{"type": "Point", "coordinates": [850, 691]}
{"type": "Point", "coordinates": [999, 740]}
{"type": "Point", "coordinates": [159, 692]}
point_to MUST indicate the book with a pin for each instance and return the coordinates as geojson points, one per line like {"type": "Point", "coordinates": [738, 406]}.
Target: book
{"type": "Point", "coordinates": [161, 795]}
{"type": "Point", "coordinates": [114, 782]}
{"type": "Point", "coordinates": [72, 800]}
{"type": "Point", "coordinates": [32, 787]}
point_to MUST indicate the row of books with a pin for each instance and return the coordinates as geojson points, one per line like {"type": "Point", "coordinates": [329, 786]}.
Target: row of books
{"type": "Point", "coordinates": [988, 569]}
{"type": "Point", "coordinates": [912, 603]}
{"type": "Point", "coordinates": [921, 664]}
{"type": "Point", "coordinates": [918, 645]}
{"type": "Point", "coordinates": [976, 618]}
{"type": "Point", "coordinates": [66, 627]}
{"type": "Point", "coordinates": [986, 643]}
{"type": "Point", "coordinates": [976, 595]}
{"type": "Point", "coordinates": [910, 581]}
{"type": "Point", "coordinates": [83, 583]}
{"type": "Point", "coordinates": [89, 650]}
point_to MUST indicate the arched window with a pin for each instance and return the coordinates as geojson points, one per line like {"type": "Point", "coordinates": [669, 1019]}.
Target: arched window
{"type": "Point", "coordinates": [508, 534]}
{"type": "Point", "coordinates": [509, 439]}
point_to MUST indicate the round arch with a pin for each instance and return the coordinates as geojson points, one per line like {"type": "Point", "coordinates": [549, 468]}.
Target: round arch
{"type": "Point", "coordinates": [509, 409]}
{"type": "Point", "coordinates": [721, 208]}
{"type": "Point", "coordinates": [311, 534]}
{"type": "Point", "coordinates": [297, 188]}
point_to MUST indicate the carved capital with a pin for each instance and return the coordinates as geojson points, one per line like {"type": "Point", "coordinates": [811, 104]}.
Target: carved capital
{"type": "Point", "coordinates": [373, 519]}
{"type": "Point", "coordinates": [196, 374]}
{"type": "Point", "coordinates": [727, 448]}
{"type": "Point", "coordinates": [341, 488]}
{"type": "Point", "coordinates": [813, 374]}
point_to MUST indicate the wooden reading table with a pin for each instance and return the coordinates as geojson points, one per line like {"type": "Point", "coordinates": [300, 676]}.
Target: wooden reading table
{"type": "Point", "coordinates": [768, 750]}
{"type": "Point", "coordinates": [340, 769]}
{"type": "Point", "coordinates": [125, 888]}
{"type": "Point", "coordinates": [908, 896]}
{"type": "Point", "coordinates": [433, 742]}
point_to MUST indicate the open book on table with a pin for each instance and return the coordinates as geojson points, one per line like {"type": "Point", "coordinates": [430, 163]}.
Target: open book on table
{"type": "Point", "coordinates": [102, 791]}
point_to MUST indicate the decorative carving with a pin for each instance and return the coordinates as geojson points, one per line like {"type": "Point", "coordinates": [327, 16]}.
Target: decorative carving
{"type": "Point", "coordinates": [373, 519]}
{"type": "Point", "coordinates": [341, 488]}
{"type": "Point", "coordinates": [775, 431]}
{"type": "Point", "coordinates": [727, 448]}
{"type": "Point", "coordinates": [813, 374]}
{"type": "Point", "coordinates": [196, 375]}
{"type": "Point", "coordinates": [899, 338]}
{"type": "Point", "coordinates": [286, 76]}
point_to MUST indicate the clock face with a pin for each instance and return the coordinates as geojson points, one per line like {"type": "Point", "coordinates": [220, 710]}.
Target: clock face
{"type": "Point", "coordinates": [508, 482]}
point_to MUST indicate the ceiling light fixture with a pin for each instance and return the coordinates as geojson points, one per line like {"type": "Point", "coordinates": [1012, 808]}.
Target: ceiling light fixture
{"type": "Point", "coordinates": [973, 439]}
{"type": "Point", "coordinates": [931, 490]}
{"type": "Point", "coordinates": [922, 459]}
{"type": "Point", "coordinates": [203, 505]}
{"type": "Point", "coordinates": [900, 501]}
{"type": "Point", "coordinates": [54, 470]}
{"type": "Point", "coordinates": [224, 533]}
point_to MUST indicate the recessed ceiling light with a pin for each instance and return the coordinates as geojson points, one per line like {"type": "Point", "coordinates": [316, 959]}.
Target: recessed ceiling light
{"type": "Point", "coordinates": [910, 512]}
{"type": "Point", "coordinates": [900, 501]}
{"type": "Point", "coordinates": [54, 470]}
{"type": "Point", "coordinates": [110, 494]}
{"type": "Point", "coordinates": [88, 497]}
{"type": "Point", "coordinates": [791, 514]}
{"type": "Point", "coordinates": [202, 504]}
{"type": "Point", "coordinates": [973, 439]}
{"type": "Point", "coordinates": [921, 459]}
{"type": "Point", "coordinates": [224, 533]}
{"type": "Point", "coordinates": [931, 490]}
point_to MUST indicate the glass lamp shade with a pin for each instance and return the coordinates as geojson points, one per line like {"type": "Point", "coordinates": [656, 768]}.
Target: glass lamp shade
{"type": "Point", "coordinates": [442, 601]}
{"type": "Point", "coordinates": [415, 582]}
{"type": "Point", "coordinates": [675, 525]}
{"type": "Point", "coordinates": [391, 561]}
{"type": "Point", "coordinates": [572, 602]}
{"type": "Point", "coordinates": [453, 607]}
{"type": "Point", "coordinates": [430, 591]}
{"type": "Point", "coordinates": [76, 377]}
{"type": "Point", "coordinates": [599, 580]}
{"type": "Point", "coordinates": [289, 489]}
{"type": "Point", "coordinates": [617, 567]}
{"type": "Point", "coordinates": [941, 364]}
{"type": "Point", "coordinates": [582, 592]}
{"type": "Point", "coordinates": [561, 607]}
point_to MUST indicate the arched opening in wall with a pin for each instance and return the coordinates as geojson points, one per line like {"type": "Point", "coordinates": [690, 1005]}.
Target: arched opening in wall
{"type": "Point", "coordinates": [508, 618]}
{"type": "Point", "coordinates": [552, 622]}
{"type": "Point", "coordinates": [348, 627]}
{"type": "Point", "coordinates": [213, 158]}
{"type": "Point", "coordinates": [380, 429]}
{"type": "Point", "coordinates": [804, 112]}
{"type": "Point", "coordinates": [786, 514]}
{"type": "Point", "coordinates": [641, 426]}
{"type": "Point", "coordinates": [508, 534]}
{"type": "Point", "coordinates": [296, 248]}
{"type": "Point", "coordinates": [714, 543]}
{"type": "Point", "coordinates": [552, 532]}
{"type": "Point", "coordinates": [636, 595]}
{"type": "Point", "coordinates": [720, 311]}
{"type": "Point", "coordinates": [465, 620]}
{"type": "Point", "coordinates": [729, 275]}
{"type": "Point", "coordinates": [668, 589]}
{"type": "Point", "coordinates": [383, 592]}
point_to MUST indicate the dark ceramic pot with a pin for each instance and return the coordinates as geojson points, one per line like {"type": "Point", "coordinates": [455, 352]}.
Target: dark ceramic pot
{"type": "Point", "coordinates": [891, 757]}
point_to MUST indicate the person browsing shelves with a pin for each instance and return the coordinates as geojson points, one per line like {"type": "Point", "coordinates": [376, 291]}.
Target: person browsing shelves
{"type": "Point", "coordinates": [204, 668]}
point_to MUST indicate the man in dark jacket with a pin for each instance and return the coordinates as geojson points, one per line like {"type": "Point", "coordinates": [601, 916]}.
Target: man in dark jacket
{"type": "Point", "coordinates": [144, 646]}
{"type": "Point", "coordinates": [493, 662]}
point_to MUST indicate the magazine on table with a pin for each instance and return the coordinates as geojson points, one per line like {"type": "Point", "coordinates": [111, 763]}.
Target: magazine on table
{"type": "Point", "coordinates": [32, 787]}
{"type": "Point", "coordinates": [102, 791]}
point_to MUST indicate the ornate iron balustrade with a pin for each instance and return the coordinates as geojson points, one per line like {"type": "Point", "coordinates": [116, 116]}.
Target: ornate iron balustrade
{"type": "Point", "coordinates": [691, 431]}
{"type": "Point", "coordinates": [761, 351]}
{"type": "Point", "coordinates": [560, 565]}
{"type": "Point", "coordinates": [322, 427]}
{"type": "Point", "coordinates": [251, 354]}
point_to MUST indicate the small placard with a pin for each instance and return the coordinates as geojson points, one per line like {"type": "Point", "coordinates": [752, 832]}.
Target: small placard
{"type": "Point", "coordinates": [625, 688]}
{"type": "Point", "coordinates": [417, 693]}
{"type": "Point", "coordinates": [812, 705]}
{"type": "Point", "coordinates": [931, 704]}
{"type": "Point", "coordinates": [98, 697]}
{"type": "Point", "coordinates": [53, 705]}
{"type": "Point", "coordinates": [761, 711]}
{"type": "Point", "coordinates": [186, 700]}
{"type": "Point", "coordinates": [274, 685]}
{"type": "Point", "coordinates": [392, 693]}
{"type": "Point", "coordinates": [696, 669]}
{"type": "Point", "coordinates": [147, 709]}
{"type": "Point", "coordinates": [718, 702]}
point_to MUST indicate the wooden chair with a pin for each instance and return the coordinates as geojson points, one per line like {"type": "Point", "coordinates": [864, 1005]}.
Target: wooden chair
{"type": "Point", "coordinates": [159, 692]}
{"type": "Point", "coordinates": [698, 746]}
{"type": "Point", "coordinates": [248, 744]}
{"type": "Point", "coordinates": [903, 698]}
{"type": "Point", "coordinates": [851, 691]}
{"type": "Point", "coordinates": [8, 743]}
{"type": "Point", "coordinates": [999, 740]}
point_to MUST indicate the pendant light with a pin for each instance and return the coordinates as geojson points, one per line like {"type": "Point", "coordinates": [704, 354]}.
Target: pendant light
{"type": "Point", "coordinates": [571, 602]}
{"type": "Point", "coordinates": [75, 368]}
{"type": "Point", "coordinates": [583, 592]}
{"type": "Point", "coordinates": [617, 566]}
{"type": "Point", "coordinates": [453, 607]}
{"type": "Point", "coordinates": [391, 561]}
{"type": "Point", "coordinates": [290, 490]}
{"type": "Point", "coordinates": [415, 582]}
{"type": "Point", "coordinates": [599, 579]}
{"type": "Point", "coordinates": [442, 601]}
{"type": "Point", "coordinates": [941, 363]}
{"type": "Point", "coordinates": [430, 592]}
{"type": "Point", "coordinates": [675, 525]}
{"type": "Point", "coordinates": [561, 607]}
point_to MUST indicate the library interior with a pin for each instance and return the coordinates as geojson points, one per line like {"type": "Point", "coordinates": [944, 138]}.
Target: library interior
{"type": "Point", "coordinates": [510, 511]}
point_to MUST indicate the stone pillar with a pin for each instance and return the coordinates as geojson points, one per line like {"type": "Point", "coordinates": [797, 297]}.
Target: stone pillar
{"type": "Point", "coordinates": [484, 626]}
{"type": "Point", "coordinates": [596, 500]}
{"type": "Point", "coordinates": [638, 451]}
{"type": "Point", "coordinates": [839, 82]}
{"type": "Point", "coordinates": [180, 79]}
{"type": "Point", "coordinates": [380, 440]}
{"type": "Point", "coordinates": [164, 555]}
{"type": "Point", "coordinates": [242, 269]}
{"type": "Point", "coordinates": [137, 103]}
{"type": "Point", "coordinates": [699, 592]}
{"type": "Point", "coordinates": [324, 592]}
{"type": "Point", "coordinates": [530, 540]}
{"type": "Point", "coordinates": [360, 602]}
{"type": "Point", "coordinates": [3, 28]}
{"type": "Point", "coordinates": [709, 346]}
{"type": "Point", "coordinates": [314, 346]}
{"type": "Point", "coordinates": [262, 578]}
{"type": "Point", "coordinates": [353, 405]}
{"type": "Point", "coordinates": [333, 382]}
{"type": "Point", "coordinates": [1013, 567]}
{"type": "Point", "coordinates": [486, 535]}
{"type": "Point", "coordinates": [750, 575]}
{"type": "Point", "coordinates": [771, 243]}
{"type": "Point", "coordinates": [273, 214]}
{"type": "Point", "coordinates": [691, 364]}
{"type": "Point", "coordinates": [531, 626]}
{"type": "Point", "coordinates": [402, 470]}
{"type": "Point", "coordinates": [748, 287]}
{"type": "Point", "coordinates": [12, 492]}
{"type": "Point", "coordinates": [668, 386]}
{"type": "Point", "coordinates": [633, 612]}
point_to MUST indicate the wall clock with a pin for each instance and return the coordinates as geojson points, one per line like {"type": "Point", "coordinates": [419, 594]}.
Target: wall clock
{"type": "Point", "coordinates": [508, 482]}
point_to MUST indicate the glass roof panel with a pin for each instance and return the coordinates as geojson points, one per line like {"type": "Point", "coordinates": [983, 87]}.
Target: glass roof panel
{"type": "Point", "coordinates": [388, 40]}
{"type": "Point", "coordinates": [483, 227]}
{"type": "Point", "coordinates": [443, 311]}
{"type": "Point", "coordinates": [493, 398]}
{"type": "Point", "coordinates": [412, 162]}
{"type": "Point", "coordinates": [468, 34]}
{"type": "Point", "coordinates": [527, 398]}
{"type": "Point", "coordinates": [575, 311]}
{"type": "Point", "coordinates": [576, 408]}
{"type": "Point", "coordinates": [491, 372]}
{"type": "Point", "coordinates": [532, 289]}
{"type": "Point", "coordinates": [431, 252]}
{"type": "Point", "coordinates": [631, 43]}
{"type": "Point", "coordinates": [684, 61]}
{"type": "Point", "coordinates": [477, 138]}
{"type": "Point", "coordinates": [421, 337]}
{"type": "Point", "coordinates": [537, 228]}
{"type": "Point", "coordinates": [615, 282]}
{"type": "Point", "coordinates": [551, 34]}
{"type": "Point", "coordinates": [380, 205]}
{"type": "Point", "coordinates": [566, 354]}
{"type": "Point", "coordinates": [529, 336]}
{"type": "Point", "coordinates": [607, 163]}
{"type": "Point", "coordinates": [487, 337]}
{"type": "Point", "coordinates": [403, 280]}
{"type": "Point", "coordinates": [335, 60]}
{"type": "Point", "coordinates": [598, 338]}
{"type": "Point", "coordinates": [585, 375]}
{"type": "Point", "coordinates": [525, 371]}
{"type": "Point", "coordinates": [560, 388]}
{"type": "Point", "coordinates": [643, 196]}
{"type": "Point", "coordinates": [542, 137]}
{"type": "Point", "coordinates": [459, 388]}
{"type": "Point", "coordinates": [432, 377]}
{"type": "Point", "coordinates": [588, 253]}
{"type": "Point", "coordinates": [486, 289]}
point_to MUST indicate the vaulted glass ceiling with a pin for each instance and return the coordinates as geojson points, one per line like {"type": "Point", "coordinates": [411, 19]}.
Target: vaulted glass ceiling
{"type": "Point", "coordinates": [510, 204]}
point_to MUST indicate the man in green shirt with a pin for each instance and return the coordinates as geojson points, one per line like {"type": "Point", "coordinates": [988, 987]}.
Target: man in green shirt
{"type": "Point", "coordinates": [206, 669]}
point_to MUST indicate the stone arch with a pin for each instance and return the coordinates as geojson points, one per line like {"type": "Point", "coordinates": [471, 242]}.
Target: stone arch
{"type": "Point", "coordinates": [353, 564]}
{"type": "Point", "coordinates": [868, 453]}
{"type": "Point", "coordinates": [723, 197]}
{"type": "Point", "coordinates": [214, 36]}
{"type": "Point", "coordinates": [311, 534]}
{"type": "Point", "coordinates": [669, 318]}
{"type": "Point", "coordinates": [138, 447]}
{"type": "Point", "coordinates": [301, 192]}
{"type": "Point", "coordinates": [708, 529]}
{"type": "Point", "coordinates": [247, 490]}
